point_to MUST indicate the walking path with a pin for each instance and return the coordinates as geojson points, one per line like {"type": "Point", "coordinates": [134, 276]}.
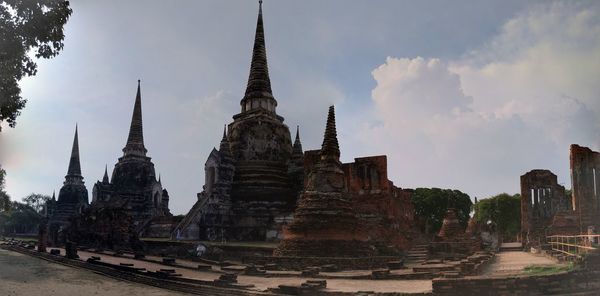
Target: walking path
{"type": "Point", "coordinates": [513, 262]}
{"type": "Point", "coordinates": [263, 283]}
{"type": "Point", "coordinates": [25, 275]}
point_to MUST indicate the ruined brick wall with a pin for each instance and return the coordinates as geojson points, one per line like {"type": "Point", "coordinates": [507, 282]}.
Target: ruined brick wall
{"type": "Point", "coordinates": [585, 178]}
{"type": "Point", "coordinates": [541, 198]}
{"type": "Point", "coordinates": [385, 211]}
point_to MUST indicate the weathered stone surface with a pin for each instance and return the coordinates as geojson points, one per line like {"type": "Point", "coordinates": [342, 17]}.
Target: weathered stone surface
{"type": "Point", "coordinates": [254, 179]}
{"type": "Point", "coordinates": [451, 229]}
{"type": "Point", "coordinates": [541, 198]}
{"type": "Point", "coordinates": [134, 185]}
{"type": "Point", "coordinates": [105, 228]}
{"type": "Point", "coordinates": [43, 235]}
{"type": "Point", "coordinates": [72, 198]}
{"type": "Point", "coordinates": [325, 224]}
{"type": "Point", "coordinates": [385, 212]}
{"type": "Point", "coordinates": [585, 176]}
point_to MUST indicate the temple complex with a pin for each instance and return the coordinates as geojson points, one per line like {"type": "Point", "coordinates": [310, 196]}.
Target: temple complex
{"type": "Point", "coordinates": [133, 185]}
{"type": "Point", "coordinates": [253, 181]}
{"type": "Point", "coordinates": [72, 197]}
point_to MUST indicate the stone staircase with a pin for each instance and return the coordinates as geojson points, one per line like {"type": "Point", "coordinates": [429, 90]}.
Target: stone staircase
{"type": "Point", "coordinates": [417, 254]}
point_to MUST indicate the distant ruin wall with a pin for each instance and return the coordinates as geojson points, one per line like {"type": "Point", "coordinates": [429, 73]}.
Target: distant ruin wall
{"type": "Point", "coordinates": [585, 178]}
{"type": "Point", "coordinates": [541, 198]}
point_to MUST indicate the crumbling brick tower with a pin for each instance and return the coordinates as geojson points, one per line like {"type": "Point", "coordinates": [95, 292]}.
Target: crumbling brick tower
{"type": "Point", "coordinates": [325, 223]}
{"type": "Point", "coordinates": [541, 198]}
{"type": "Point", "coordinates": [585, 179]}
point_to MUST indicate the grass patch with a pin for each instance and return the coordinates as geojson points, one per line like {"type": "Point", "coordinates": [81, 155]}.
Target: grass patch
{"type": "Point", "coordinates": [548, 269]}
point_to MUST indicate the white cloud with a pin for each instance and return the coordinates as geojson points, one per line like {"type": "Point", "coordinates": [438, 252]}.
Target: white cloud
{"type": "Point", "coordinates": [513, 105]}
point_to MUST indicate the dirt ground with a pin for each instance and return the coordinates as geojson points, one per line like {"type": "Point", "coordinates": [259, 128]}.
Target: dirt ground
{"type": "Point", "coordinates": [21, 275]}
{"type": "Point", "coordinates": [508, 263]}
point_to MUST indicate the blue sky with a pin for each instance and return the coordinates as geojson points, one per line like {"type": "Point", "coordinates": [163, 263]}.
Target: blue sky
{"type": "Point", "coordinates": [459, 94]}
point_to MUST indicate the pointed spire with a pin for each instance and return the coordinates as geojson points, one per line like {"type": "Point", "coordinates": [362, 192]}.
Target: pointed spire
{"type": "Point", "coordinates": [297, 133]}
{"type": "Point", "coordinates": [224, 148]}
{"type": "Point", "coordinates": [135, 140]}
{"type": "Point", "coordinates": [74, 171]}
{"type": "Point", "coordinates": [330, 148]}
{"type": "Point", "coordinates": [105, 178]}
{"type": "Point", "coordinates": [259, 83]}
{"type": "Point", "coordinates": [159, 182]}
{"type": "Point", "coordinates": [74, 166]}
{"type": "Point", "coordinates": [297, 144]}
{"type": "Point", "coordinates": [53, 195]}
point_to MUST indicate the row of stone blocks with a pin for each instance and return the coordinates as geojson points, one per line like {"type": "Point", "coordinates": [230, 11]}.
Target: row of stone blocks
{"type": "Point", "coordinates": [310, 287]}
{"type": "Point", "coordinates": [228, 281]}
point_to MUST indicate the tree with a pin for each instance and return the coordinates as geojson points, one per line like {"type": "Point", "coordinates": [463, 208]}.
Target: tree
{"type": "Point", "coordinates": [431, 205]}
{"type": "Point", "coordinates": [21, 219]}
{"type": "Point", "coordinates": [36, 201]}
{"type": "Point", "coordinates": [26, 26]}
{"type": "Point", "coordinates": [504, 210]}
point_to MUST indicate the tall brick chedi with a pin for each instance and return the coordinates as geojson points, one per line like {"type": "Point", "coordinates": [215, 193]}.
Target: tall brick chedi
{"type": "Point", "coordinates": [133, 185]}
{"type": "Point", "coordinates": [325, 223]}
{"type": "Point", "coordinates": [253, 181]}
{"type": "Point", "coordinates": [72, 197]}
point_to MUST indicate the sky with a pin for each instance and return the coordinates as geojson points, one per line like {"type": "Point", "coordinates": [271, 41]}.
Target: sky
{"type": "Point", "coordinates": [466, 95]}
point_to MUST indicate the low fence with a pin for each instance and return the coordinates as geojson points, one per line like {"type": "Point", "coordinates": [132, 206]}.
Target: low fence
{"type": "Point", "coordinates": [574, 245]}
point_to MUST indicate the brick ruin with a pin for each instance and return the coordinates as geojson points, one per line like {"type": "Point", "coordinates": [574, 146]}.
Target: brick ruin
{"type": "Point", "coordinates": [325, 223]}
{"type": "Point", "coordinates": [348, 210]}
{"type": "Point", "coordinates": [134, 185]}
{"type": "Point", "coordinates": [545, 209]}
{"type": "Point", "coordinates": [585, 179]}
{"type": "Point", "coordinates": [133, 196]}
{"type": "Point", "coordinates": [72, 197]}
{"type": "Point", "coordinates": [541, 199]}
{"type": "Point", "coordinates": [453, 239]}
{"type": "Point", "coordinates": [253, 181]}
{"type": "Point", "coordinates": [451, 229]}
{"type": "Point", "coordinates": [384, 210]}
{"type": "Point", "coordinates": [110, 227]}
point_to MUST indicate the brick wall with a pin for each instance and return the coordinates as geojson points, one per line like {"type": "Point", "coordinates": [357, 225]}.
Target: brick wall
{"type": "Point", "coordinates": [562, 283]}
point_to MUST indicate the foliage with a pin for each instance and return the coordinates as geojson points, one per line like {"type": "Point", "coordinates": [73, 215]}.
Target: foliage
{"type": "Point", "coordinates": [548, 269]}
{"type": "Point", "coordinates": [26, 27]}
{"type": "Point", "coordinates": [36, 201]}
{"type": "Point", "coordinates": [504, 210]}
{"type": "Point", "coordinates": [21, 218]}
{"type": "Point", "coordinates": [431, 205]}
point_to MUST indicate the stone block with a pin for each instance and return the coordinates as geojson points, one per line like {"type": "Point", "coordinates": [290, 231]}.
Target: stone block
{"type": "Point", "coordinates": [168, 261]}
{"type": "Point", "coordinates": [330, 268]}
{"type": "Point", "coordinates": [380, 274]}
{"type": "Point", "coordinates": [228, 278]}
{"type": "Point", "coordinates": [395, 264]}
